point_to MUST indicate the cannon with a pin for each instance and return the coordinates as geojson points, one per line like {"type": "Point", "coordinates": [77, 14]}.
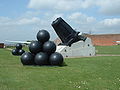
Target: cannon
{"type": "Point", "coordinates": [65, 32]}
{"type": "Point", "coordinates": [74, 44]}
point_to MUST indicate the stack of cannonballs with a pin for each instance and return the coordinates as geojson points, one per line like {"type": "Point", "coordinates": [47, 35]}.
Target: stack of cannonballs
{"type": "Point", "coordinates": [18, 50]}
{"type": "Point", "coordinates": [42, 52]}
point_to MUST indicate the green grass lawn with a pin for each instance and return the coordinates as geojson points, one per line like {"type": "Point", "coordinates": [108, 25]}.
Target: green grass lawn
{"type": "Point", "coordinates": [91, 73]}
{"type": "Point", "coordinates": [26, 48]}
{"type": "Point", "coordinates": [108, 49]}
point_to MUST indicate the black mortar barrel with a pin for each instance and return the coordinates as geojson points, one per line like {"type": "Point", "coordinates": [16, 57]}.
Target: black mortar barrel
{"type": "Point", "coordinates": [65, 32]}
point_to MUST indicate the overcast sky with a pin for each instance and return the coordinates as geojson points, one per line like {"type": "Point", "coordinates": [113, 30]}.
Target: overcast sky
{"type": "Point", "coordinates": [22, 19]}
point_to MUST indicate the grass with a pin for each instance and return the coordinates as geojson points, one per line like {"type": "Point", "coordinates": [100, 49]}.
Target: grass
{"type": "Point", "coordinates": [26, 48]}
{"type": "Point", "coordinates": [93, 73]}
{"type": "Point", "coordinates": [108, 49]}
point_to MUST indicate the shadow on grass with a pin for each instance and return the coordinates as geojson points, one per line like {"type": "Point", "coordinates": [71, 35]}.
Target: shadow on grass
{"type": "Point", "coordinates": [62, 65]}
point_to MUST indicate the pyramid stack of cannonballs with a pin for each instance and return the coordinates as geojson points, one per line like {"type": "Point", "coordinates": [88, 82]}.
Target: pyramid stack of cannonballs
{"type": "Point", "coordinates": [18, 50]}
{"type": "Point", "coordinates": [42, 52]}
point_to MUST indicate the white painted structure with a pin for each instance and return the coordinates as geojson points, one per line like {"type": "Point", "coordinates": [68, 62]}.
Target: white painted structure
{"type": "Point", "coordinates": [78, 49]}
{"type": "Point", "coordinates": [118, 42]}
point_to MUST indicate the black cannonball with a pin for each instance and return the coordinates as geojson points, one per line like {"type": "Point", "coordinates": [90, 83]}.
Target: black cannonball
{"type": "Point", "coordinates": [49, 47]}
{"type": "Point", "coordinates": [18, 46]}
{"type": "Point", "coordinates": [41, 58]}
{"type": "Point", "coordinates": [35, 47]}
{"type": "Point", "coordinates": [56, 59]}
{"type": "Point", "coordinates": [15, 52]}
{"type": "Point", "coordinates": [21, 51]}
{"type": "Point", "coordinates": [43, 36]}
{"type": "Point", "coordinates": [27, 58]}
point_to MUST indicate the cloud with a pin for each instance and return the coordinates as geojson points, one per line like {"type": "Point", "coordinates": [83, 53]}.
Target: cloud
{"type": "Point", "coordinates": [81, 22]}
{"type": "Point", "coordinates": [55, 4]}
{"type": "Point", "coordinates": [107, 7]}
{"type": "Point", "coordinates": [40, 4]}
{"type": "Point", "coordinates": [111, 22]}
{"type": "Point", "coordinates": [80, 18]}
{"type": "Point", "coordinates": [30, 14]}
{"type": "Point", "coordinates": [109, 25]}
{"type": "Point", "coordinates": [24, 21]}
{"type": "Point", "coordinates": [84, 23]}
{"type": "Point", "coordinates": [5, 21]}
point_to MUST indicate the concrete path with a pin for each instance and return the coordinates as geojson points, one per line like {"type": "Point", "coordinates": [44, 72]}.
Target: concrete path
{"type": "Point", "coordinates": [106, 55]}
{"type": "Point", "coordinates": [8, 49]}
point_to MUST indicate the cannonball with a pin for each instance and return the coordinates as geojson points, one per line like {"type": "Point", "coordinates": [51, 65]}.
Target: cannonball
{"type": "Point", "coordinates": [27, 58]}
{"type": "Point", "coordinates": [18, 46]}
{"type": "Point", "coordinates": [35, 47]}
{"type": "Point", "coordinates": [15, 52]}
{"type": "Point", "coordinates": [49, 47]}
{"type": "Point", "coordinates": [21, 51]}
{"type": "Point", "coordinates": [56, 59]}
{"type": "Point", "coordinates": [43, 36]}
{"type": "Point", "coordinates": [41, 58]}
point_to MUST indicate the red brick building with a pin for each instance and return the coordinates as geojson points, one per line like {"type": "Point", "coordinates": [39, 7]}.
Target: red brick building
{"type": "Point", "coordinates": [105, 39]}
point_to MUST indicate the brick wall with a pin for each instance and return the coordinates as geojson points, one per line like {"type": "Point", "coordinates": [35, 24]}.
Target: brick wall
{"type": "Point", "coordinates": [104, 39]}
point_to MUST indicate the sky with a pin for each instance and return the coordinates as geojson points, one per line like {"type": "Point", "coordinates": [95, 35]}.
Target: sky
{"type": "Point", "coordinates": [22, 19]}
